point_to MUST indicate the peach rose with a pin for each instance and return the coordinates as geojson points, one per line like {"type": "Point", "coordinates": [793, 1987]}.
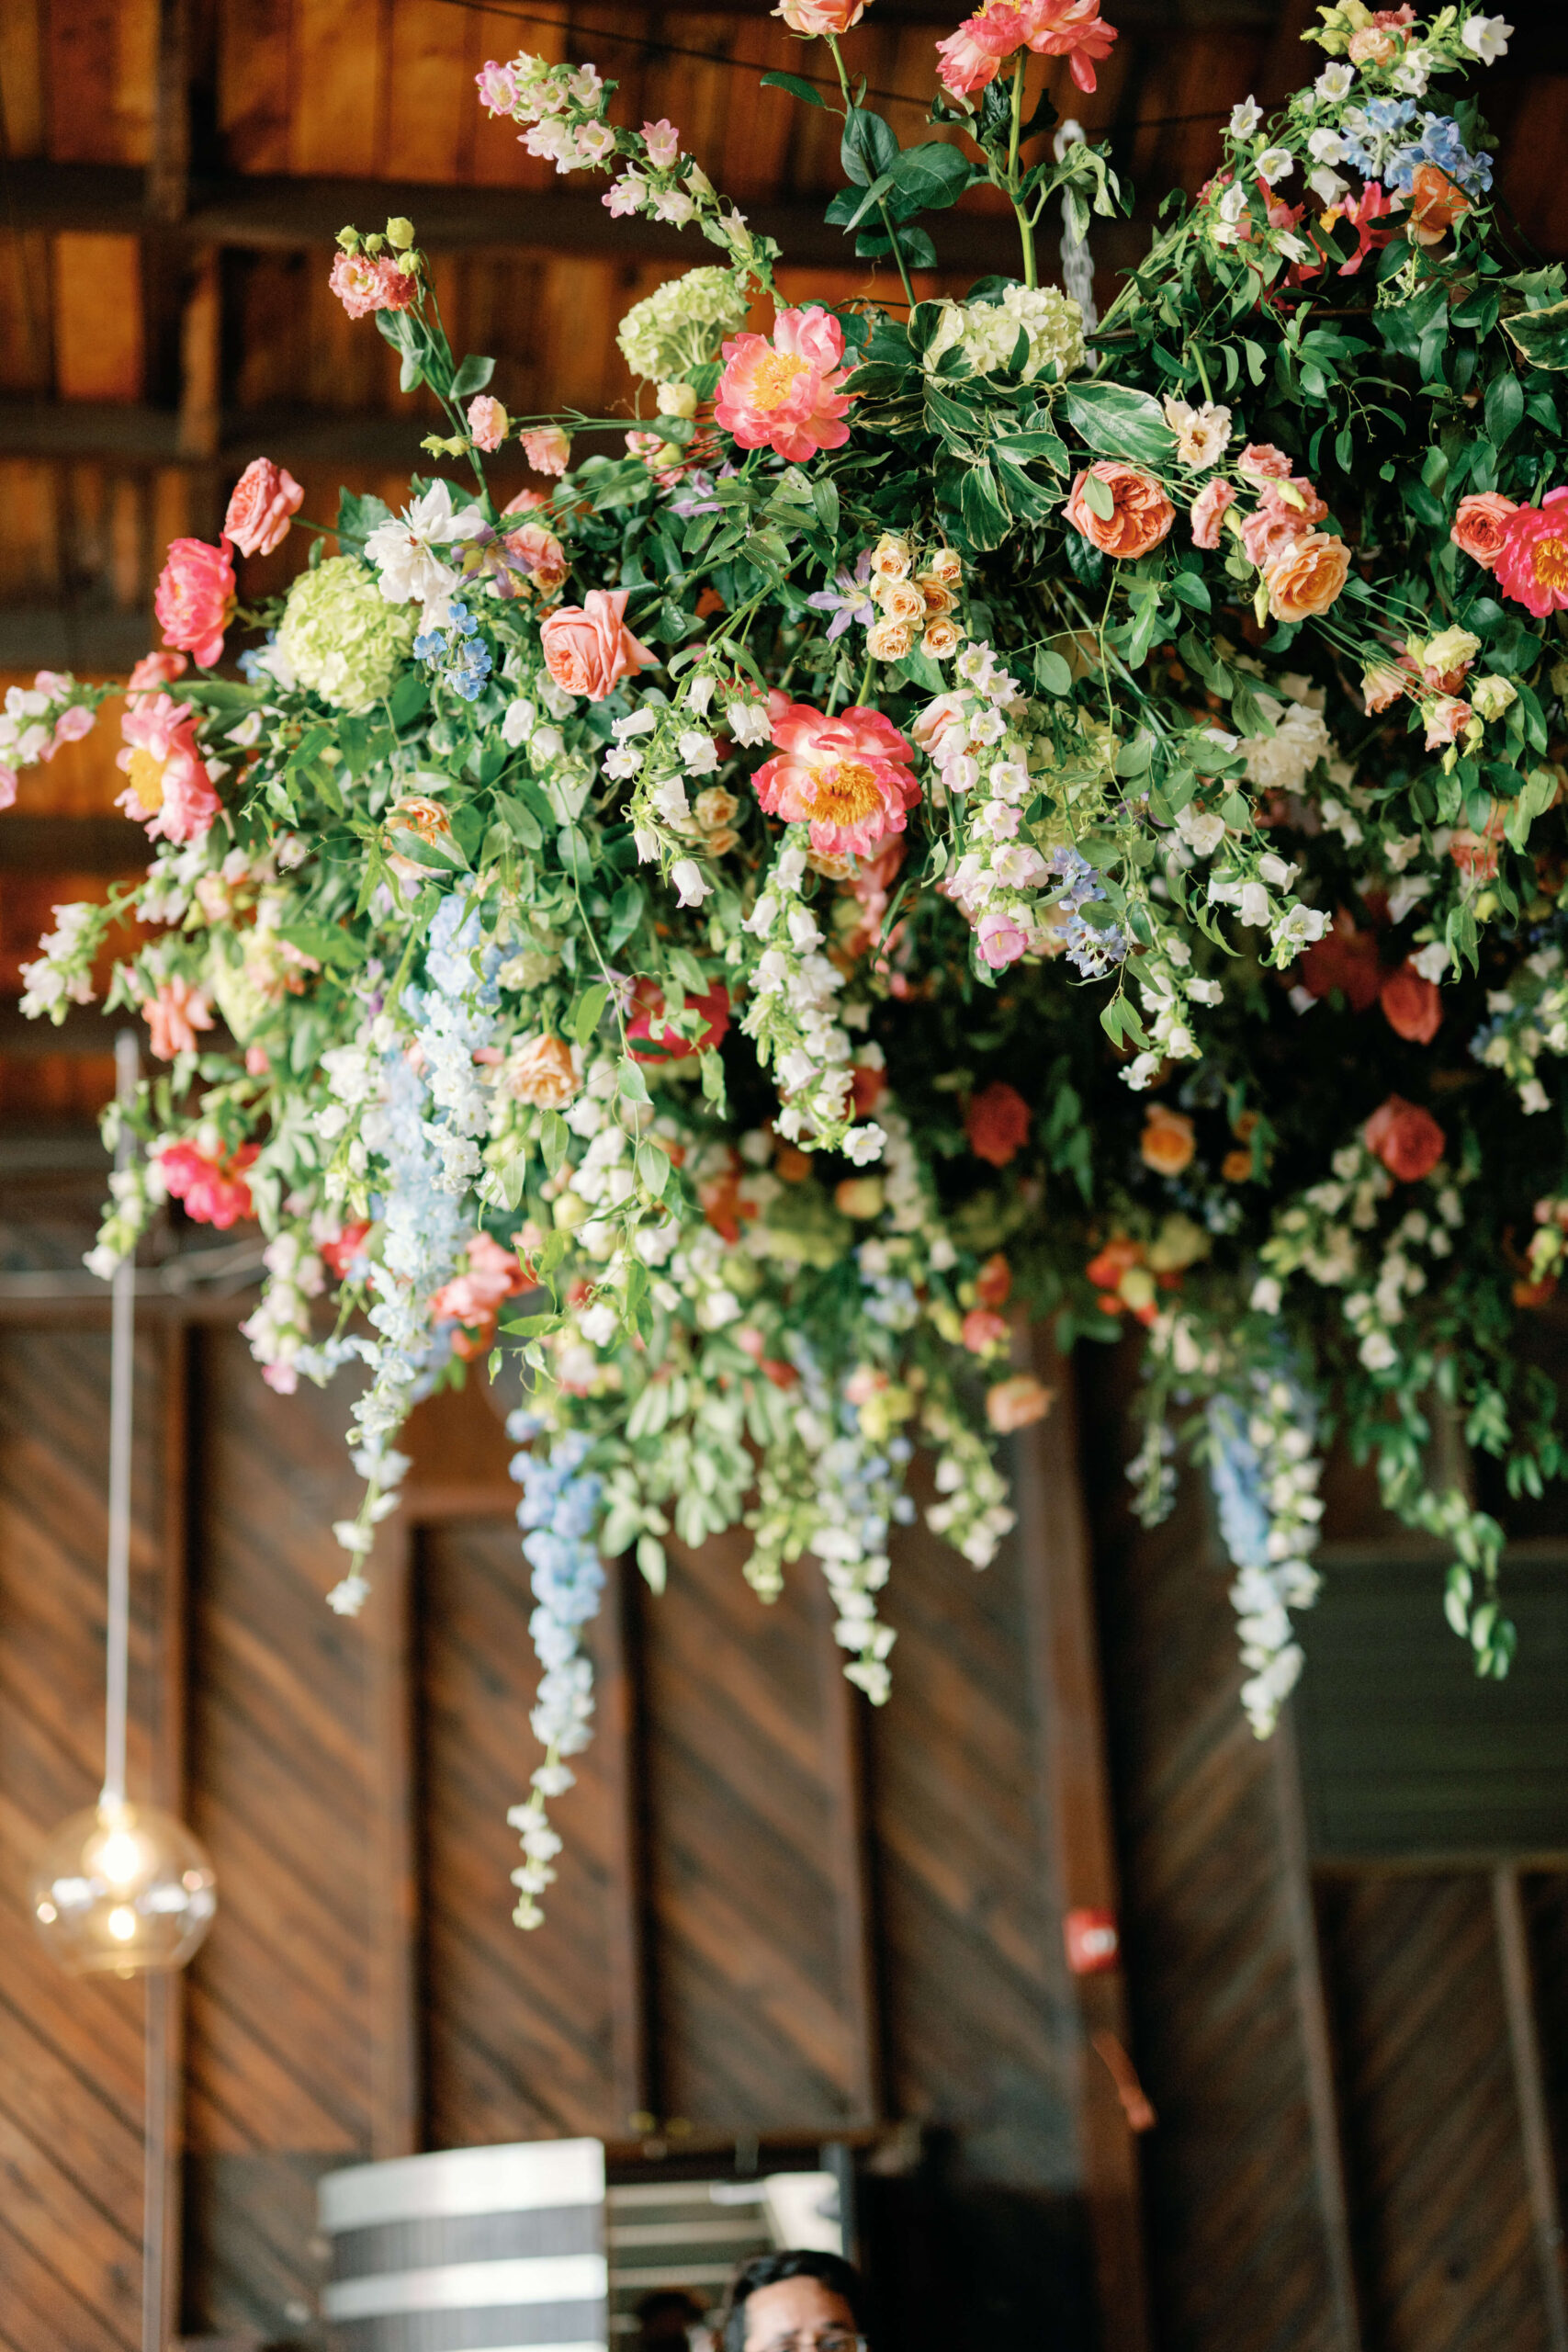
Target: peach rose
{"type": "Point", "coordinates": [813, 19]}
{"type": "Point", "coordinates": [1207, 514]}
{"type": "Point", "coordinates": [996, 1123]}
{"type": "Point", "coordinates": [195, 598]}
{"type": "Point", "coordinates": [1435, 205]}
{"type": "Point", "coordinates": [539, 1070]}
{"type": "Point", "coordinates": [1167, 1144]}
{"type": "Point", "coordinates": [1407, 1139]}
{"type": "Point", "coordinates": [1307, 576]}
{"type": "Point", "coordinates": [1140, 515]}
{"type": "Point", "coordinates": [1478, 525]}
{"type": "Point", "coordinates": [1014, 1404]}
{"type": "Point", "coordinates": [262, 507]}
{"type": "Point", "coordinates": [588, 647]}
{"type": "Point", "coordinates": [1413, 1007]}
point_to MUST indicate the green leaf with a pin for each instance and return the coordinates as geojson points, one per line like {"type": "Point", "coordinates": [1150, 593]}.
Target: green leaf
{"type": "Point", "coordinates": [653, 1168]}
{"type": "Point", "coordinates": [1052, 674]}
{"type": "Point", "coordinates": [980, 504]}
{"type": "Point", "coordinates": [808, 96]}
{"type": "Point", "coordinates": [589, 1012]}
{"type": "Point", "coordinates": [325, 942]}
{"type": "Point", "coordinates": [1098, 497]}
{"type": "Point", "coordinates": [625, 913]}
{"type": "Point", "coordinates": [472, 376]}
{"type": "Point", "coordinates": [1022, 447]}
{"type": "Point", "coordinates": [1541, 335]}
{"type": "Point", "coordinates": [824, 498]}
{"type": "Point", "coordinates": [649, 1550]}
{"type": "Point", "coordinates": [1120, 422]}
{"type": "Point", "coordinates": [932, 177]}
{"type": "Point", "coordinates": [1504, 407]}
{"type": "Point", "coordinates": [868, 148]}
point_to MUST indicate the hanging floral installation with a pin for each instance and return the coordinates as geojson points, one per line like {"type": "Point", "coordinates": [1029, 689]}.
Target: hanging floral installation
{"type": "Point", "coordinates": [966, 808]}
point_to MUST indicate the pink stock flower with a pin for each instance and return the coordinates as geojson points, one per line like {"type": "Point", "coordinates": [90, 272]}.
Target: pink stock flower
{"type": "Point", "coordinates": [195, 598]}
{"type": "Point", "coordinates": [784, 394]}
{"type": "Point", "coordinates": [815, 18]}
{"type": "Point", "coordinates": [155, 669]}
{"type": "Point", "coordinates": [262, 507]}
{"type": "Point", "coordinates": [487, 421]}
{"type": "Point", "coordinates": [1001, 940]}
{"type": "Point", "coordinates": [664, 144]}
{"type": "Point", "coordinates": [588, 647]}
{"type": "Point", "coordinates": [1478, 525]}
{"type": "Point", "coordinates": [362, 285]}
{"type": "Point", "coordinates": [1260, 461]}
{"type": "Point", "coordinates": [214, 1192]}
{"type": "Point", "coordinates": [74, 721]}
{"type": "Point", "coordinates": [548, 449]}
{"type": "Point", "coordinates": [1207, 514]}
{"type": "Point", "coordinates": [846, 778]}
{"type": "Point", "coordinates": [169, 792]}
{"type": "Point", "coordinates": [1532, 564]}
{"type": "Point", "coordinates": [174, 1015]}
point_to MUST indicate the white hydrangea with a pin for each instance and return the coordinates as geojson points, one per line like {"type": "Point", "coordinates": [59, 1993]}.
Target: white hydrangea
{"type": "Point", "coordinates": [987, 333]}
{"type": "Point", "coordinates": [682, 324]}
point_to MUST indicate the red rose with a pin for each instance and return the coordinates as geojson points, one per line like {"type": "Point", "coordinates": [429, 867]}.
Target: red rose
{"type": "Point", "coordinates": [651, 1042]}
{"type": "Point", "coordinates": [1407, 1139]}
{"type": "Point", "coordinates": [1412, 1006]}
{"type": "Point", "coordinates": [996, 1123]}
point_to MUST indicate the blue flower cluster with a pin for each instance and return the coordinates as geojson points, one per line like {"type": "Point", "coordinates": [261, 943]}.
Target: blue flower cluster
{"type": "Point", "coordinates": [1235, 1474]}
{"type": "Point", "coordinates": [1377, 142]}
{"type": "Point", "coordinates": [1093, 952]}
{"type": "Point", "coordinates": [459, 653]}
{"type": "Point", "coordinates": [558, 1513]}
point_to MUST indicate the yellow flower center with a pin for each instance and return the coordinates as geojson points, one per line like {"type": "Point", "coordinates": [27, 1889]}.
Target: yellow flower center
{"type": "Point", "coordinates": [146, 775]}
{"type": "Point", "coordinates": [774, 379]}
{"type": "Point", "coordinates": [845, 792]}
{"type": "Point", "coordinates": [1549, 562]}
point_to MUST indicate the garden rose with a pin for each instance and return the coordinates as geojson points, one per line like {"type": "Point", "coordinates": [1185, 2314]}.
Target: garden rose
{"type": "Point", "coordinates": [784, 395]}
{"type": "Point", "coordinates": [173, 1016]}
{"type": "Point", "coordinates": [1444, 719]}
{"type": "Point", "coordinates": [1479, 524]}
{"type": "Point", "coordinates": [1069, 29]}
{"type": "Point", "coordinates": [262, 507]}
{"type": "Point", "coordinates": [652, 1040]}
{"type": "Point", "coordinates": [1435, 205]}
{"type": "Point", "coordinates": [487, 422]}
{"type": "Point", "coordinates": [971, 58]}
{"type": "Point", "coordinates": [815, 18]}
{"type": "Point", "coordinates": [588, 647]}
{"type": "Point", "coordinates": [1260, 461]}
{"type": "Point", "coordinates": [1141, 513]}
{"type": "Point", "coordinates": [1207, 514]}
{"type": "Point", "coordinates": [1531, 565]}
{"type": "Point", "coordinates": [1407, 1139]}
{"type": "Point", "coordinates": [539, 1070]}
{"type": "Point", "coordinates": [983, 1331]}
{"type": "Point", "coordinates": [214, 1191]}
{"type": "Point", "coordinates": [846, 777]}
{"type": "Point", "coordinates": [195, 598]}
{"type": "Point", "coordinates": [169, 791]}
{"type": "Point", "coordinates": [1307, 576]}
{"type": "Point", "coordinates": [1413, 1007]}
{"type": "Point", "coordinates": [363, 285]}
{"type": "Point", "coordinates": [996, 1123]}
{"type": "Point", "coordinates": [1166, 1143]}
{"type": "Point", "coordinates": [1014, 1404]}
{"type": "Point", "coordinates": [547, 450]}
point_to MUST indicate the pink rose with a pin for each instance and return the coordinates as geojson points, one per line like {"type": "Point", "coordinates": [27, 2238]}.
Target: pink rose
{"type": "Point", "coordinates": [214, 1192]}
{"type": "Point", "coordinates": [362, 285]}
{"type": "Point", "coordinates": [262, 507]}
{"type": "Point", "coordinates": [1000, 939]}
{"type": "Point", "coordinates": [588, 647]}
{"type": "Point", "coordinates": [815, 18]}
{"type": "Point", "coordinates": [1532, 564]}
{"type": "Point", "coordinates": [155, 669]}
{"type": "Point", "coordinates": [487, 422]}
{"type": "Point", "coordinates": [972, 57]}
{"type": "Point", "coordinates": [195, 598]}
{"type": "Point", "coordinates": [846, 777]}
{"type": "Point", "coordinates": [1267, 533]}
{"type": "Point", "coordinates": [547, 450]}
{"type": "Point", "coordinates": [173, 1016]}
{"type": "Point", "coordinates": [1069, 29]}
{"type": "Point", "coordinates": [785, 394]}
{"type": "Point", "coordinates": [985, 1331]}
{"type": "Point", "coordinates": [1478, 525]}
{"type": "Point", "coordinates": [664, 144]}
{"type": "Point", "coordinates": [1407, 1139]}
{"type": "Point", "coordinates": [169, 791]}
{"type": "Point", "coordinates": [1140, 516]}
{"type": "Point", "coordinates": [1260, 461]}
{"type": "Point", "coordinates": [1207, 512]}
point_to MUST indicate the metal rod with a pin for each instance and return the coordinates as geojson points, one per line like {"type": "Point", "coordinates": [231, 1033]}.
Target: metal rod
{"type": "Point", "coordinates": [127, 1063]}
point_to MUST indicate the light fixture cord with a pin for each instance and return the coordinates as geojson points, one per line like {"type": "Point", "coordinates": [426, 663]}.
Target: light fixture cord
{"type": "Point", "coordinates": [127, 1066]}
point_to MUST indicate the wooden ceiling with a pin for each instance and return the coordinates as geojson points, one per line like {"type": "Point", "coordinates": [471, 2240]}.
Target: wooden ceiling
{"type": "Point", "coordinates": [173, 174]}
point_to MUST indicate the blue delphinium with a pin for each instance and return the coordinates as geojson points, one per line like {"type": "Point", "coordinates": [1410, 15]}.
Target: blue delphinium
{"type": "Point", "coordinates": [459, 653]}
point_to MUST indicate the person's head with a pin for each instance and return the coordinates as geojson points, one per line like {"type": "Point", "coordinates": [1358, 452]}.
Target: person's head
{"type": "Point", "coordinates": [800, 2301]}
{"type": "Point", "coordinates": [668, 2317]}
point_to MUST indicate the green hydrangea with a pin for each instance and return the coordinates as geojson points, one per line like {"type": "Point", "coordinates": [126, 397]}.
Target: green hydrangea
{"type": "Point", "coordinates": [987, 333]}
{"type": "Point", "coordinates": [682, 324]}
{"type": "Point", "coordinates": [341, 638]}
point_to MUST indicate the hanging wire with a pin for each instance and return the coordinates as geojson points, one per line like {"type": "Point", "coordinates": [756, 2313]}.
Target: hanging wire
{"type": "Point", "coordinates": [127, 1070]}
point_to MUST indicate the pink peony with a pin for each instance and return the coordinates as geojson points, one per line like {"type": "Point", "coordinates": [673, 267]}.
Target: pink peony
{"type": "Point", "coordinates": [1260, 461]}
{"type": "Point", "coordinates": [1532, 564]}
{"type": "Point", "coordinates": [972, 57]}
{"type": "Point", "coordinates": [155, 669]}
{"type": "Point", "coordinates": [169, 791]}
{"type": "Point", "coordinates": [588, 647]}
{"type": "Point", "coordinates": [262, 507]}
{"type": "Point", "coordinates": [486, 421]}
{"type": "Point", "coordinates": [364, 286]}
{"type": "Point", "coordinates": [1407, 1139]}
{"type": "Point", "coordinates": [173, 1016]}
{"type": "Point", "coordinates": [1141, 515]}
{"type": "Point", "coordinates": [1001, 940]}
{"type": "Point", "coordinates": [1478, 525]}
{"type": "Point", "coordinates": [1207, 512]}
{"type": "Point", "coordinates": [846, 778]}
{"type": "Point", "coordinates": [1069, 29]}
{"type": "Point", "coordinates": [815, 18]}
{"type": "Point", "coordinates": [547, 450]}
{"type": "Point", "coordinates": [214, 1192]}
{"type": "Point", "coordinates": [195, 598]}
{"type": "Point", "coordinates": [664, 144]}
{"type": "Point", "coordinates": [784, 395]}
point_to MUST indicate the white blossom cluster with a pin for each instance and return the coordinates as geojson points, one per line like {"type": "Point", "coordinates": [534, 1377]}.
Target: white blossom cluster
{"type": "Point", "coordinates": [1264, 1475]}
{"type": "Point", "coordinates": [62, 973]}
{"type": "Point", "coordinates": [1527, 1018]}
{"type": "Point", "coordinates": [795, 1015]}
{"type": "Point", "coordinates": [1319, 1235]}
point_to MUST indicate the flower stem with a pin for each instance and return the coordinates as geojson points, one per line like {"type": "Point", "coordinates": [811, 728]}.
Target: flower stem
{"type": "Point", "coordinates": [887, 216]}
{"type": "Point", "coordinates": [1025, 226]}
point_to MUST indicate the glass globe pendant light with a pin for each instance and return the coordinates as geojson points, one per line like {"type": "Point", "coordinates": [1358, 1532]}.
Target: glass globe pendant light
{"type": "Point", "coordinates": [121, 1888]}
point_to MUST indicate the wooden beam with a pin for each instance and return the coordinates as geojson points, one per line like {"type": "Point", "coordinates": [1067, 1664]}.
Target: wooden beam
{"type": "Point", "coordinates": [396, 2114]}
{"type": "Point", "coordinates": [71, 845]}
{"type": "Point", "coordinates": [1529, 2091]}
{"type": "Point", "coordinates": [1075, 1789]}
{"type": "Point", "coordinates": [627, 1941]}
{"type": "Point", "coordinates": [849, 1862]}
{"type": "Point", "coordinates": [95, 644]}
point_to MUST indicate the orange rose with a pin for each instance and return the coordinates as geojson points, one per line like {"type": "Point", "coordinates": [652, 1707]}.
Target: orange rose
{"type": "Point", "coordinates": [1013, 1404]}
{"type": "Point", "coordinates": [539, 1071]}
{"type": "Point", "coordinates": [1435, 205]}
{"type": "Point", "coordinates": [588, 647]}
{"type": "Point", "coordinates": [1167, 1144]}
{"type": "Point", "coordinates": [1478, 525]}
{"type": "Point", "coordinates": [1140, 515]}
{"type": "Point", "coordinates": [1306, 577]}
{"type": "Point", "coordinates": [1407, 1139]}
{"type": "Point", "coordinates": [1413, 1007]}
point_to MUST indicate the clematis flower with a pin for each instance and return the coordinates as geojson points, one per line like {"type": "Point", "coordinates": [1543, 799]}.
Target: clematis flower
{"type": "Point", "coordinates": [169, 791]}
{"type": "Point", "coordinates": [846, 777]}
{"type": "Point", "coordinates": [195, 598]}
{"type": "Point", "coordinates": [785, 395]}
{"type": "Point", "coordinates": [1531, 565]}
{"type": "Point", "coordinates": [403, 552]}
{"type": "Point", "coordinates": [214, 1191]}
{"type": "Point", "coordinates": [173, 1016]}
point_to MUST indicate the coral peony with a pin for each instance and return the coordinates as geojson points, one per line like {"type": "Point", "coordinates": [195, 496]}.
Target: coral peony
{"type": "Point", "coordinates": [1306, 576]}
{"type": "Point", "coordinates": [362, 285]}
{"type": "Point", "coordinates": [1531, 565]}
{"type": "Point", "coordinates": [785, 395]}
{"type": "Point", "coordinates": [539, 1070]}
{"type": "Point", "coordinates": [1166, 1143]}
{"type": "Point", "coordinates": [487, 422]}
{"type": "Point", "coordinates": [547, 450]}
{"type": "Point", "coordinates": [169, 791]}
{"type": "Point", "coordinates": [173, 1016]}
{"type": "Point", "coordinates": [1413, 1007]}
{"type": "Point", "coordinates": [214, 1191]}
{"type": "Point", "coordinates": [1014, 1404]}
{"type": "Point", "coordinates": [816, 18]}
{"type": "Point", "coordinates": [1479, 524]}
{"type": "Point", "coordinates": [996, 1123]}
{"type": "Point", "coordinates": [262, 507]}
{"type": "Point", "coordinates": [195, 598]}
{"type": "Point", "coordinates": [1407, 1139]}
{"type": "Point", "coordinates": [1207, 514]}
{"type": "Point", "coordinates": [1140, 515]}
{"type": "Point", "coordinates": [846, 778]}
{"type": "Point", "coordinates": [650, 1041]}
{"type": "Point", "coordinates": [588, 647]}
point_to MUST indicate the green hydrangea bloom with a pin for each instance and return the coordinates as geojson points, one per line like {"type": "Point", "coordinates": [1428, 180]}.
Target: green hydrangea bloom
{"type": "Point", "coordinates": [987, 333]}
{"type": "Point", "coordinates": [341, 638]}
{"type": "Point", "coordinates": [682, 324]}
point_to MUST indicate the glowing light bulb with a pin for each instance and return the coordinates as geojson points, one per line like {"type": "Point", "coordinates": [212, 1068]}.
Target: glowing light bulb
{"type": "Point", "coordinates": [123, 1888]}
